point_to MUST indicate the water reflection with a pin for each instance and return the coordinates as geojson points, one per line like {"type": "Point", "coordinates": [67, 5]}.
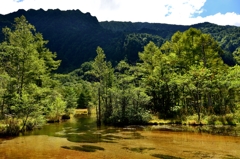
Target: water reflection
{"type": "Point", "coordinates": [84, 129]}
{"type": "Point", "coordinates": [210, 129]}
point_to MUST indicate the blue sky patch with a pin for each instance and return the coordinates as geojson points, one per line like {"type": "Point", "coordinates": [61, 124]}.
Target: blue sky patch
{"type": "Point", "coordinates": [212, 7]}
{"type": "Point", "coordinates": [19, 1]}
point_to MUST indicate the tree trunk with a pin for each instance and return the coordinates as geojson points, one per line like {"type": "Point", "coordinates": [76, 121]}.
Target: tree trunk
{"type": "Point", "coordinates": [99, 109]}
{"type": "Point", "coordinates": [2, 109]}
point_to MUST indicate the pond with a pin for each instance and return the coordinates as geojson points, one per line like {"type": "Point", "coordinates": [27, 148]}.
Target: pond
{"type": "Point", "coordinates": [81, 138]}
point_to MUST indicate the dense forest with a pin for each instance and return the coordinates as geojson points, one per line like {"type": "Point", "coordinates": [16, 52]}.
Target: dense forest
{"type": "Point", "coordinates": [183, 78]}
{"type": "Point", "coordinates": [119, 40]}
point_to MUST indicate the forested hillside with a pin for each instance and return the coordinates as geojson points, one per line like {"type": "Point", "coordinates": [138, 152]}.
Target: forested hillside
{"type": "Point", "coordinates": [75, 36]}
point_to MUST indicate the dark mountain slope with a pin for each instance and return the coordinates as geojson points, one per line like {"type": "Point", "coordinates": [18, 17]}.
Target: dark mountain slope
{"type": "Point", "coordinates": [163, 30]}
{"type": "Point", "coordinates": [72, 34]}
{"type": "Point", "coordinates": [75, 35]}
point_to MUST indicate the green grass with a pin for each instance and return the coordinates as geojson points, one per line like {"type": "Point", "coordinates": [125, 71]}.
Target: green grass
{"type": "Point", "coordinates": [228, 119]}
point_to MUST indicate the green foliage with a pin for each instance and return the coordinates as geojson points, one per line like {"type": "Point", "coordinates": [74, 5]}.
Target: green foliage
{"type": "Point", "coordinates": [236, 55]}
{"type": "Point", "coordinates": [55, 106]}
{"type": "Point", "coordinates": [228, 119]}
{"type": "Point", "coordinates": [118, 94]}
{"type": "Point", "coordinates": [185, 76]}
{"type": "Point", "coordinates": [12, 127]}
{"type": "Point", "coordinates": [129, 106]}
{"type": "Point", "coordinates": [83, 100]}
{"type": "Point", "coordinates": [136, 42]}
{"type": "Point", "coordinates": [26, 67]}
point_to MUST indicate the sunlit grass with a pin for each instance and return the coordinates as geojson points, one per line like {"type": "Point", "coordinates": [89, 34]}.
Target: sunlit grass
{"type": "Point", "coordinates": [228, 119]}
{"type": "Point", "coordinates": [156, 120]}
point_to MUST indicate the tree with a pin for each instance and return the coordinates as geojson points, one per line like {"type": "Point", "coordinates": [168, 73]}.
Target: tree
{"type": "Point", "coordinates": [83, 100]}
{"type": "Point", "coordinates": [180, 76]}
{"type": "Point", "coordinates": [28, 63]}
{"type": "Point", "coordinates": [130, 100]}
{"type": "Point", "coordinates": [4, 78]}
{"type": "Point", "coordinates": [159, 69]}
{"type": "Point", "coordinates": [103, 72]}
{"type": "Point", "coordinates": [236, 55]}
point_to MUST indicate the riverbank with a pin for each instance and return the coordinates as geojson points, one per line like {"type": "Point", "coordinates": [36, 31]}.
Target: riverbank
{"type": "Point", "coordinates": [228, 119]}
{"type": "Point", "coordinates": [219, 125]}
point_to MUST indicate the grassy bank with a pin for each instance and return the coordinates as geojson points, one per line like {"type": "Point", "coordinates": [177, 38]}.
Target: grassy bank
{"type": "Point", "coordinates": [228, 119]}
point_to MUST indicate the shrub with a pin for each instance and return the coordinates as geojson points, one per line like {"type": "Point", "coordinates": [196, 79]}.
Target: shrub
{"type": "Point", "coordinates": [217, 122]}
{"type": "Point", "coordinates": [191, 119]}
{"type": "Point", "coordinates": [12, 127]}
{"type": "Point", "coordinates": [140, 116]}
{"type": "Point", "coordinates": [212, 119]}
{"type": "Point", "coordinates": [132, 117]}
{"type": "Point", "coordinates": [230, 119]}
{"type": "Point", "coordinates": [223, 120]}
{"type": "Point", "coordinates": [3, 129]}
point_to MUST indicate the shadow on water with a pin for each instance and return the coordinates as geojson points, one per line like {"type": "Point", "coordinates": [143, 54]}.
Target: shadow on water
{"type": "Point", "coordinates": [139, 149]}
{"type": "Point", "coordinates": [85, 130]}
{"type": "Point", "coordinates": [165, 156]}
{"type": "Point", "coordinates": [85, 148]}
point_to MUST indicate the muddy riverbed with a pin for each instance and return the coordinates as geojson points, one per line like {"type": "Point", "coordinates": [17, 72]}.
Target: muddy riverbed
{"type": "Point", "coordinates": [80, 138]}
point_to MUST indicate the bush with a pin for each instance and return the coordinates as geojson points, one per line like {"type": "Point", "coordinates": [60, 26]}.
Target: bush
{"type": "Point", "coordinates": [223, 120]}
{"type": "Point", "coordinates": [139, 116]}
{"type": "Point", "coordinates": [191, 119]}
{"type": "Point", "coordinates": [3, 129]}
{"type": "Point", "coordinates": [30, 125]}
{"type": "Point", "coordinates": [217, 122]}
{"type": "Point", "coordinates": [33, 123]}
{"type": "Point", "coordinates": [12, 127]}
{"type": "Point", "coordinates": [230, 119]}
{"type": "Point", "coordinates": [132, 117]}
{"type": "Point", "coordinates": [212, 119]}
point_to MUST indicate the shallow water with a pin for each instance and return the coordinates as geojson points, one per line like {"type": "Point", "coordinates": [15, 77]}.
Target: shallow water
{"type": "Point", "coordinates": [81, 138]}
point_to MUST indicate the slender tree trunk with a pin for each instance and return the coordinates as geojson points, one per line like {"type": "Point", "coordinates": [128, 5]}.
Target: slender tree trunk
{"type": "Point", "coordinates": [204, 56]}
{"type": "Point", "coordinates": [24, 123]}
{"type": "Point", "coordinates": [22, 81]}
{"type": "Point", "coordinates": [110, 105]}
{"type": "Point", "coordinates": [2, 108]}
{"type": "Point", "coordinates": [210, 103]}
{"type": "Point", "coordinates": [198, 105]}
{"type": "Point", "coordinates": [99, 108]}
{"type": "Point", "coordinates": [123, 108]}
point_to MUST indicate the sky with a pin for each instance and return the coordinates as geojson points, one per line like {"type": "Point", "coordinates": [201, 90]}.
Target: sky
{"type": "Point", "coordinates": [184, 12]}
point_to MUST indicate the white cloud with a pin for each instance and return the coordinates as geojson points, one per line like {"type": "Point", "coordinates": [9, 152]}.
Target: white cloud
{"type": "Point", "coordinates": [159, 11]}
{"type": "Point", "coordinates": [185, 8]}
{"type": "Point", "coordinates": [224, 19]}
